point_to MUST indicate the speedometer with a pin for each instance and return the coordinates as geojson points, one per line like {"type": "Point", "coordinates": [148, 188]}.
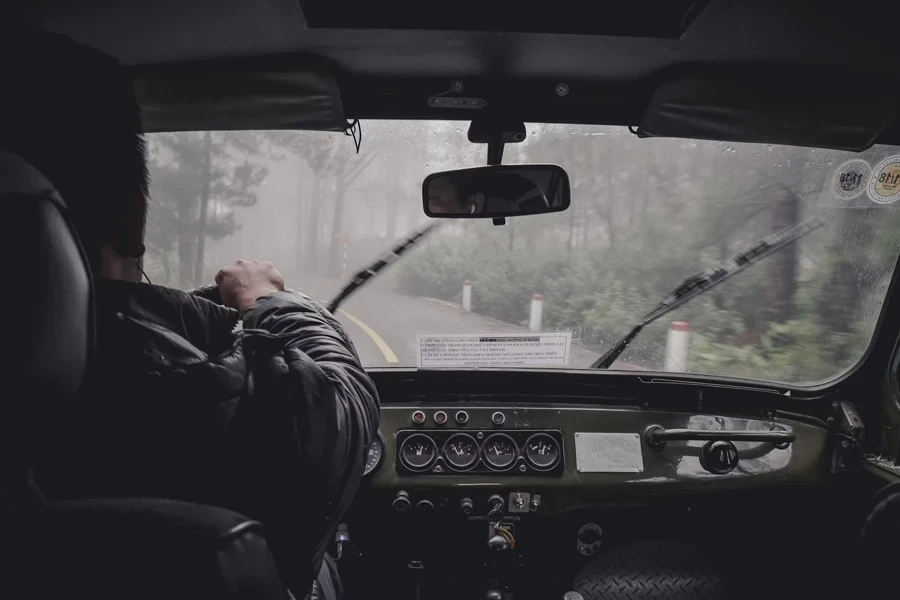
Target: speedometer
{"type": "Point", "coordinates": [461, 451]}
{"type": "Point", "coordinates": [374, 455]}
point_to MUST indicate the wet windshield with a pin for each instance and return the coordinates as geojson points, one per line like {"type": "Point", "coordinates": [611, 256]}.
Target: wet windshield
{"type": "Point", "coordinates": [645, 215]}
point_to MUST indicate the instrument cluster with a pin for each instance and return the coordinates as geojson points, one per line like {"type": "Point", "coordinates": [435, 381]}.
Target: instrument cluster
{"type": "Point", "coordinates": [455, 452]}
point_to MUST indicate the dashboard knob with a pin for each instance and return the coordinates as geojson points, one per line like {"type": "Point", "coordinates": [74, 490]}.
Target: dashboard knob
{"type": "Point", "coordinates": [466, 506]}
{"type": "Point", "coordinates": [462, 417]}
{"type": "Point", "coordinates": [589, 535]}
{"type": "Point", "coordinates": [499, 543]}
{"type": "Point", "coordinates": [401, 503]}
{"type": "Point", "coordinates": [495, 502]}
{"type": "Point", "coordinates": [719, 457]}
{"type": "Point", "coordinates": [424, 506]}
{"type": "Point", "coordinates": [498, 418]}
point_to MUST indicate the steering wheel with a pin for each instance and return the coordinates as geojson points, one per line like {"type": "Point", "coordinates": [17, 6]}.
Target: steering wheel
{"type": "Point", "coordinates": [211, 293]}
{"type": "Point", "coordinates": [207, 292]}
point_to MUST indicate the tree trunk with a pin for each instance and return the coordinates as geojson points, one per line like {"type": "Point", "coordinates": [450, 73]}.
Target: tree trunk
{"type": "Point", "coordinates": [206, 174]}
{"type": "Point", "coordinates": [312, 227]}
{"type": "Point", "coordinates": [187, 247]}
{"type": "Point", "coordinates": [571, 242]}
{"type": "Point", "coordinates": [781, 274]}
{"type": "Point", "coordinates": [337, 228]}
{"type": "Point", "coordinates": [302, 217]}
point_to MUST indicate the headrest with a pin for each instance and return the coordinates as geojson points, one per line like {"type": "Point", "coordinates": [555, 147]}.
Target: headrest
{"type": "Point", "coordinates": [47, 300]}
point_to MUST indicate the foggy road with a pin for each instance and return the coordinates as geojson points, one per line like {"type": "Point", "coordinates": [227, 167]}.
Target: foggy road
{"type": "Point", "coordinates": [384, 325]}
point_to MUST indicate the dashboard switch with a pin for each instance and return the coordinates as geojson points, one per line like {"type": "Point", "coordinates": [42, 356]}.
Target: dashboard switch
{"type": "Point", "coordinates": [424, 506]}
{"type": "Point", "coordinates": [498, 418]}
{"type": "Point", "coordinates": [466, 506]}
{"type": "Point", "coordinates": [401, 503]}
{"type": "Point", "coordinates": [462, 417]}
{"type": "Point", "coordinates": [519, 502]}
{"type": "Point", "coordinates": [418, 417]}
{"type": "Point", "coordinates": [440, 417]}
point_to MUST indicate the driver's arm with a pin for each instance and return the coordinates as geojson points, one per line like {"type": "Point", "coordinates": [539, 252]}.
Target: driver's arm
{"type": "Point", "coordinates": [332, 401]}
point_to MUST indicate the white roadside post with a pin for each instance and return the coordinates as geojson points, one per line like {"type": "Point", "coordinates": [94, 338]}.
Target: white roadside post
{"type": "Point", "coordinates": [467, 296]}
{"type": "Point", "coordinates": [677, 346]}
{"type": "Point", "coordinates": [536, 315]}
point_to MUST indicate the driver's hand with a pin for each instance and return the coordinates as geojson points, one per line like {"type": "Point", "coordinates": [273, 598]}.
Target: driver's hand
{"type": "Point", "coordinates": [245, 281]}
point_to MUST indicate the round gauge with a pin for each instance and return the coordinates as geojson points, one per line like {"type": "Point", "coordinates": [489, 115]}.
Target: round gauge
{"type": "Point", "coordinates": [374, 455]}
{"type": "Point", "coordinates": [461, 451]}
{"type": "Point", "coordinates": [417, 452]}
{"type": "Point", "coordinates": [499, 451]}
{"type": "Point", "coordinates": [542, 451]}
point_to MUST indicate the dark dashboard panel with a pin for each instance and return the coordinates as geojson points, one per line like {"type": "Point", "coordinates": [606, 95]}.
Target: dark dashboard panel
{"type": "Point", "coordinates": [675, 468]}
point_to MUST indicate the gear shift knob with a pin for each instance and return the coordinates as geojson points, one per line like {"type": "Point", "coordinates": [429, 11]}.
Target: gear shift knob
{"type": "Point", "coordinates": [498, 542]}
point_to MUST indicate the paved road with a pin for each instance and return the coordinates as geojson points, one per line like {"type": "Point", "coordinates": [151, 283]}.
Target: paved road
{"type": "Point", "coordinates": [384, 324]}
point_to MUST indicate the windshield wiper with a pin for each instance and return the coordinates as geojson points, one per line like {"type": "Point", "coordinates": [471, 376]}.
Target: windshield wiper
{"type": "Point", "coordinates": [387, 258]}
{"type": "Point", "coordinates": [700, 282]}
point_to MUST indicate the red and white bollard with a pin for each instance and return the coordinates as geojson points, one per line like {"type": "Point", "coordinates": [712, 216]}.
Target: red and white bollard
{"type": "Point", "coordinates": [677, 346]}
{"type": "Point", "coordinates": [467, 296]}
{"type": "Point", "coordinates": [536, 314]}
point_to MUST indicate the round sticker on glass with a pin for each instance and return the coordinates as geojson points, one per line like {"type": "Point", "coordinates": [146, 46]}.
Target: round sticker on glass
{"type": "Point", "coordinates": [850, 179]}
{"type": "Point", "coordinates": [884, 186]}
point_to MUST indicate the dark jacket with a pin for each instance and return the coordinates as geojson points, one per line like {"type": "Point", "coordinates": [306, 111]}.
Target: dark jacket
{"type": "Point", "coordinates": [272, 421]}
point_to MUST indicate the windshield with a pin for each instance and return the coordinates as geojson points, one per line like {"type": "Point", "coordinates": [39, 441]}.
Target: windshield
{"type": "Point", "coordinates": [645, 214]}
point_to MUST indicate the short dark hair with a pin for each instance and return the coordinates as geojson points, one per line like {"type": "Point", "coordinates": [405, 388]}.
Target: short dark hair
{"type": "Point", "coordinates": [71, 112]}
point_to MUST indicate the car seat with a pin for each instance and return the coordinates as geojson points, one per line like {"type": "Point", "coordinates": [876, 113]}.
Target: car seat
{"type": "Point", "coordinates": [127, 549]}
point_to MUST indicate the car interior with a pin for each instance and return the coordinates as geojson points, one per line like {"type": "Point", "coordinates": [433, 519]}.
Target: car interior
{"type": "Point", "coordinates": [488, 482]}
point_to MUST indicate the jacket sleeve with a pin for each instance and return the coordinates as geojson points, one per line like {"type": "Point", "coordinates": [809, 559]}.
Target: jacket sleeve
{"type": "Point", "coordinates": [335, 403]}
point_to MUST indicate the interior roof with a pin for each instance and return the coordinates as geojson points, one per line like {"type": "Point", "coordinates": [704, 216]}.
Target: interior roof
{"type": "Point", "coordinates": [162, 33]}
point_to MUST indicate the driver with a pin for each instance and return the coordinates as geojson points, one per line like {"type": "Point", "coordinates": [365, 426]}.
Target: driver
{"type": "Point", "coordinates": [444, 198]}
{"type": "Point", "coordinates": [273, 423]}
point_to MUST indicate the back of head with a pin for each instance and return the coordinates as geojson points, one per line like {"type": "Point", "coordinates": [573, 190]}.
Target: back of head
{"type": "Point", "coordinates": [71, 112]}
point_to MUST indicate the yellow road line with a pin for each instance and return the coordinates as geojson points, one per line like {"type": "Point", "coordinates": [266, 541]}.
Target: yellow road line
{"type": "Point", "coordinates": [382, 345]}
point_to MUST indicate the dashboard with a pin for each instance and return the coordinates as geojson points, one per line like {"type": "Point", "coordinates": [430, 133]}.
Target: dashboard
{"type": "Point", "coordinates": [500, 480]}
{"type": "Point", "coordinates": [479, 457]}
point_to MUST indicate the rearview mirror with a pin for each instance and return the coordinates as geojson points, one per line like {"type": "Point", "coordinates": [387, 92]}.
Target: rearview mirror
{"type": "Point", "coordinates": [496, 191]}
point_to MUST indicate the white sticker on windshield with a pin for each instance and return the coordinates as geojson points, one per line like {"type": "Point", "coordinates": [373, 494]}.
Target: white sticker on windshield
{"type": "Point", "coordinates": [495, 350]}
{"type": "Point", "coordinates": [884, 186]}
{"type": "Point", "coordinates": [850, 179]}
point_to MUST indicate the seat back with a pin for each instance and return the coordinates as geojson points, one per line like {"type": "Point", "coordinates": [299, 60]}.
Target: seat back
{"type": "Point", "coordinates": [47, 308]}
{"type": "Point", "coordinates": [104, 549]}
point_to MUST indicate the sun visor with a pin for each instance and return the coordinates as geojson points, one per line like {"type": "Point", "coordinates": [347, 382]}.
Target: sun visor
{"type": "Point", "coordinates": [221, 101]}
{"type": "Point", "coordinates": [777, 107]}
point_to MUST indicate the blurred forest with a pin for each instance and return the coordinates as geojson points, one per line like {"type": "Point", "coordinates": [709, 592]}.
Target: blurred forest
{"type": "Point", "coordinates": [644, 215]}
